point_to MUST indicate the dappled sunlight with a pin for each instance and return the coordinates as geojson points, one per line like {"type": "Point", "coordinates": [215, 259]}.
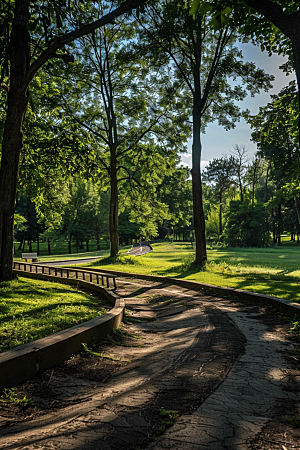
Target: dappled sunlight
{"type": "Point", "coordinates": [268, 336]}
{"type": "Point", "coordinates": [232, 411]}
{"type": "Point", "coordinates": [32, 309]}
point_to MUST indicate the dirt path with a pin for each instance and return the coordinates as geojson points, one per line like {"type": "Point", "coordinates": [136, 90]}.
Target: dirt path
{"type": "Point", "coordinates": [216, 365]}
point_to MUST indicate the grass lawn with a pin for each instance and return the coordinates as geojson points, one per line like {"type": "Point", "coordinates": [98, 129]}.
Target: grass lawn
{"type": "Point", "coordinates": [32, 309]}
{"type": "Point", "coordinates": [65, 256]}
{"type": "Point", "coordinates": [60, 248]}
{"type": "Point", "coordinates": [272, 271]}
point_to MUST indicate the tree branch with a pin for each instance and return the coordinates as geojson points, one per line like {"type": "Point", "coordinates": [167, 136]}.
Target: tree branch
{"type": "Point", "coordinates": [50, 52]}
{"type": "Point", "coordinates": [274, 13]}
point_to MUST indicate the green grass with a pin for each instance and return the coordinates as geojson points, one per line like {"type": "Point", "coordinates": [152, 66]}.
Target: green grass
{"type": "Point", "coordinates": [32, 309]}
{"type": "Point", "coordinates": [272, 271]}
{"type": "Point", "coordinates": [60, 249]}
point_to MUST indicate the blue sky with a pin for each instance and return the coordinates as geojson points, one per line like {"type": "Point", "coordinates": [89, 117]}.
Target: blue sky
{"type": "Point", "coordinates": [216, 142]}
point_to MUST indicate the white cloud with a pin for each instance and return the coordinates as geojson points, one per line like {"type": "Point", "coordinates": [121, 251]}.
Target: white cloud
{"type": "Point", "coordinates": [186, 160]}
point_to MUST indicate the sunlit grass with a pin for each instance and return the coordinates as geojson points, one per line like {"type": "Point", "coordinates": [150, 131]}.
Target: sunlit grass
{"type": "Point", "coordinates": [32, 309]}
{"type": "Point", "coordinates": [271, 271]}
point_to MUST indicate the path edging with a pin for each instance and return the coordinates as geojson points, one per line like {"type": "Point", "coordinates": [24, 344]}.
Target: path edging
{"type": "Point", "coordinates": [282, 305]}
{"type": "Point", "coordinates": [25, 361]}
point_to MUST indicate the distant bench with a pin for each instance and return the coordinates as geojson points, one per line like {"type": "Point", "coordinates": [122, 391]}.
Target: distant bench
{"type": "Point", "coordinates": [32, 256]}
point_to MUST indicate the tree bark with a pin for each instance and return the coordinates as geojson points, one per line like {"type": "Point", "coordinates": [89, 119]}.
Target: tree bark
{"type": "Point", "coordinates": [220, 214]}
{"type": "Point", "coordinates": [199, 221]}
{"type": "Point", "coordinates": [279, 226]}
{"type": "Point", "coordinates": [274, 227]}
{"type": "Point", "coordinates": [295, 38]}
{"type": "Point", "coordinates": [254, 182]}
{"type": "Point", "coordinates": [12, 143]}
{"type": "Point", "coordinates": [97, 235]}
{"type": "Point", "coordinates": [297, 206]}
{"type": "Point", "coordinates": [114, 205]}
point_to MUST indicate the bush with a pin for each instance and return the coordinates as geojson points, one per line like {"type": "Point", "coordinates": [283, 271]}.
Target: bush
{"type": "Point", "coordinates": [245, 225]}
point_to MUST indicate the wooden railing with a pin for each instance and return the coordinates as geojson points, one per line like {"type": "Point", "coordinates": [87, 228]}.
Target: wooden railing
{"type": "Point", "coordinates": [65, 272]}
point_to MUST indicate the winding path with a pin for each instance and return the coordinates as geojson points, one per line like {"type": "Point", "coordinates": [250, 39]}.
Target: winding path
{"type": "Point", "coordinates": [213, 360]}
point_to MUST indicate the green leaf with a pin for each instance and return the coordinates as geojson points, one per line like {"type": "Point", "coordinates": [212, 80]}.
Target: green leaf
{"type": "Point", "coordinates": [194, 8]}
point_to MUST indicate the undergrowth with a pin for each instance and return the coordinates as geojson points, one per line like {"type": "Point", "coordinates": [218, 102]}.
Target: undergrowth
{"type": "Point", "coordinates": [169, 418]}
{"type": "Point", "coordinates": [10, 396]}
{"type": "Point", "coordinates": [294, 421]}
{"type": "Point", "coordinates": [87, 351]}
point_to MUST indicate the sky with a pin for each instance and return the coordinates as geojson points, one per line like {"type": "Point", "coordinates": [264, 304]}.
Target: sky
{"type": "Point", "coordinates": [217, 142]}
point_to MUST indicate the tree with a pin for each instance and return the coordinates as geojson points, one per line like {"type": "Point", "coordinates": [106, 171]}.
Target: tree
{"type": "Point", "coordinates": [42, 26]}
{"type": "Point", "coordinates": [254, 173]}
{"type": "Point", "coordinates": [240, 167]}
{"type": "Point", "coordinates": [283, 15]}
{"type": "Point", "coordinates": [54, 151]}
{"type": "Point", "coordinates": [276, 134]}
{"type": "Point", "coordinates": [202, 61]}
{"type": "Point", "coordinates": [245, 225]}
{"type": "Point", "coordinates": [176, 192]}
{"type": "Point", "coordinates": [31, 228]}
{"type": "Point", "coordinates": [81, 214]}
{"type": "Point", "coordinates": [124, 107]}
{"type": "Point", "coordinates": [219, 174]}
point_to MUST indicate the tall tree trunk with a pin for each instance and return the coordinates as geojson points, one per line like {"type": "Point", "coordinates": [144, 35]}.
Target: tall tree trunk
{"type": "Point", "coordinates": [253, 182]}
{"type": "Point", "coordinates": [87, 246]}
{"type": "Point", "coordinates": [38, 243]}
{"type": "Point", "coordinates": [199, 221]}
{"type": "Point", "coordinates": [198, 212]}
{"type": "Point", "coordinates": [17, 101]}
{"type": "Point", "coordinates": [297, 205]}
{"type": "Point", "coordinates": [220, 214]}
{"type": "Point", "coordinates": [20, 245]}
{"type": "Point", "coordinates": [114, 206]}
{"type": "Point", "coordinates": [241, 191]}
{"type": "Point", "coordinates": [295, 37]}
{"type": "Point", "coordinates": [97, 235]}
{"type": "Point", "coordinates": [279, 225]}
{"type": "Point", "coordinates": [274, 227]}
{"type": "Point", "coordinates": [70, 246]}
{"type": "Point", "coordinates": [49, 247]}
